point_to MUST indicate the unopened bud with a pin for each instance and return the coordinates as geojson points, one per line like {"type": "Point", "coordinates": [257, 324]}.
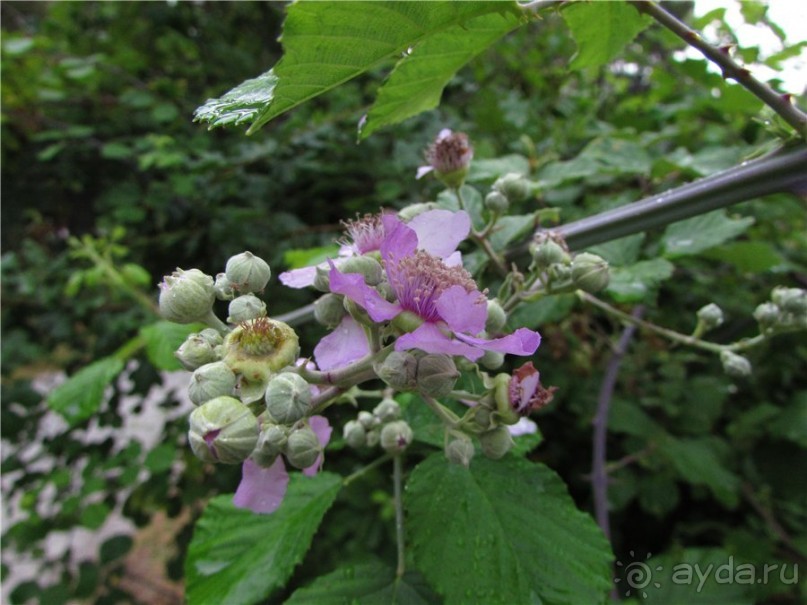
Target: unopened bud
{"type": "Point", "coordinates": [409, 212]}
{"type": "Point", "coordinates": [399, 370]}
{"type": "Point", "coordinates": [497, 202]}
{"type": "Point", "coordinates": [548, 252]}
{"type": "Point", "coordinates": [460, 450]}
{"type": "Point", "coordinates": [271, 443]}
{"type": "Point", "coordinates": [767, 315]}
{"type": "Point", "coordinates": [288, 398]}
{"type": "Point", "coordinates": [497, 318]}
{"type": "Point", "coordinates": [223, 288]}
{"type": "Point", "coordinates": [387, 410]}
{"type": "Point", "coordinates": [223, 430]}
{"type": "Point", "coordinates": [247, 272]}
{"type": "Point", "coordinates": [735, 365]}
{"type": "Point", "coordinates": [590, 272]}
{"type": "Point", "coordinates": [496, 443]}
{"type": "Point", "coordinates": [396, 437]}
{"type": "Point", "coordinates": [303, 447]}
{"type": "Point", "coordinates": [354, 434]}
{"type": "Point", "coordinates": [791, 300]}
{"type": "Point", "coordinates": [210, 381]}
{"type": "Point", "coordinates": [436, 375]}
{"type": "Point", "coordinates": [246, 307]}
{"type": "Point", "coordinates": [329, 309]}
{"type": "Point", "coordinates": [368, 420]}
{"type": "Point", "coordinates": [366, 266]}
{"type": "Point", "coordinates": [186, 296]}
{"type": "Point", "coordinates": [373, 437]}
{"type": "Point", "coordinates": [492, 360]}
{"type": "Point", "coordinates": [514, 186]}
{"type": "Point", "coordinates": [710, 316]}
{"type": "Point", "coordinates": [322, 280]}
{"type": "Point", "coordinates": [196, 351]}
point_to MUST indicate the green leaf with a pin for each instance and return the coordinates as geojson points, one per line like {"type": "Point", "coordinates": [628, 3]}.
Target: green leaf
{"type": "Point", "coordinates": [622, 251]}
{"type": "Point", "coordinates": [238, 557]}
{"type": "Point", "coordinates": [635, 282]}
{"type": "Point", "coordinates": [503, 531]}
{"type": "Point", "coordinates": [601, 30]}
{"type": "Point", "coordinates": [163, 338]}
{"type": "Point", "coordinates": [82, 394]}
{"type": "Point", "coordinates": [160, 458]}
{"type": "Point", "coordinates": [299, 257]}
{"type": "Point", "coordinates": [749, 257]}
{"type": "Point", "coordinates": [328, 43]}
{"type": "Point", "coordinates": [533, 315]}
{"type": "Point", "coordinates": [701, 232]}
{"type": "Point", "coordinates": [418, 80]}
{"type": "Point", "coordinates": [699, 462]}
{"type": "Point", "coordinates": [94, 515]}
{"type": "Point", "coordinates": [492, 169]}
{"type": "Point", "coordinates": [365, 584]}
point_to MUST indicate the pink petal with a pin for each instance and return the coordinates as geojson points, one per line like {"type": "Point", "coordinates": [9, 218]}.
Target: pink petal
{"type": "Point", "coordinates": [352, 285]}
{"type": "Point", "coordinates": [423, 171]}
{"type": "Point", "coordinates": [521, 342]}
{"type": "Point", "coordinates": [322, 429]}
{"type": "Point", "coordinates": [298, 278]}
{"type": "Point", "coordinates": [463, 311]}
{"type": "Point", "coordinates": [345, 344]}
{"type": "Point", "coordinates": [399, 239]}
{"type": "Point", "coordinates": [429, 338]}
{"type": "Point", "coordinates": [261, 489]}
{"type": "Point", "coordinates": [453, 260]}
{"type": "Point", "coordinates": [440, 231]}
{"type": "Point", "coordinates": [524, 426]}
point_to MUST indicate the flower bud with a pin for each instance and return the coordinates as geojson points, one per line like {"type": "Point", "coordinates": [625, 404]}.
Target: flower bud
{"type": "Point", "coordinates": [398, 370]}
{"type": "Point", "coordinates": [186, 296]}
{"type": "Point", "coordinates": [735, 365]}
{"type": "Point", "coordinates": [767, 315]}
{"type": "Point", "coordinates": [322, 280]}
{"type": "Point", "coordinates": [559, 274]}
{"type": "Point", "coordinates": [373, 437]}
{"type": "Point", "coordinates": [223, 430]}
{"type": "Point", "coordinates": [492, 360]}
{"type": "Point", "coordinates": [210, 381]}
{"type": "Point", "coordinates": [354, 433]}
{"type": "Point", "coordinates": [590, 272]}
{"type": "Point", "coordinates": [514, 186]}
{"type": "Point", "coordinates": [271, 443]}
{"type": "Point", "coordinates": [247, 272]}
{"type": "Point", "coordinates": [196, 351]}
{"type": "Point", "coordinates": [791, 300]}
{"type": "Point", "coordinates": [436, 375]}
{"type": "Point", "coordinates": [367, 420]}
{"type": "Point", "coordinates": [366, 266]}
{"type": "Point", "coordinates": [396, 437]}
{"type": "Point", "coordinates": [246, 307]}
{"type": "Point", "coordinates": [409, 212]}
{"type": "Point", "coordinates": [260, 347]}
{"type": "Point", "coordinates": [548, 253]}
{"type": "Point", "coordinates": [303, 447]}
{"type": "Point", "coordinates": [387, 410]}
{"type": "Point", "coordinates": [450, 156]}
{"type": "Point", "coordinates": [460, 450]}
{"type": "Point", "coordinates": [496, 443]}
{"type": "Point", "coordinates": [496, 319]}
{"type": "Point", "coordinates": [329, 309]}
{"type": "Point", "coordinates": [288, 398]}
{"type": "Point", "coordinates": [223, 287]}
{"type": "Point", "coordinates": [710, 316]}
{"type": "Point", "coordinates": [520, 394]}
{"type": "Point", "coordinates": [497, 202]}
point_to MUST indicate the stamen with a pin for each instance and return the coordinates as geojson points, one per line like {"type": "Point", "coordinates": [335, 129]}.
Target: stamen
{"type": "Point", "coordinates": [366, 232]}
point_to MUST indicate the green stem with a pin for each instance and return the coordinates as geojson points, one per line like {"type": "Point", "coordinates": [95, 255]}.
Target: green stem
{"type": "Point", "coordinates": [781, 104]}
{"type": "Point", "coordinates": [115, 277]}
{"type": "Point", "coordinates": [364, 470]}
{"type": "Point", "coordinates": [397, 479]}
{"type": "Point", "coordinates": [447, 416]}
{"type": "Point", "coordinates": [482, 241]}
{"type": "Point", "coordinates": [211, 321]}
{"type": "Point", "coordinates": [350, 375]}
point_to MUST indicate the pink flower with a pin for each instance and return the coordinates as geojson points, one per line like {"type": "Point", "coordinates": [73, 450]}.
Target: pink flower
{"type": "Point", "coordinates": [262, 489]}
{"type": "Point", "coordinates": [526, 393]}
{"type": "Point", "coordinates": [449, 157]}
{"type": "Point", "coordinates": [443, 297]}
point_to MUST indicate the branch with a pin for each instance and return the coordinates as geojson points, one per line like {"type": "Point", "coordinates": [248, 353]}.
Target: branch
{"type": "Point", "coordinates": [781, 104]}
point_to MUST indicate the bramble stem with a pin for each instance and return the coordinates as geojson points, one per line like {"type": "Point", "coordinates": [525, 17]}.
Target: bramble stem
{"type": "Point", "coordinates": [482, 241]}
{"type": "Point", "coordinates": [364, 470]}
{"type": "Point", "coordinates": [214, 322]}
{"type": "Point", "coordinates": [781, 104]}
{"type": "Point", "coordinates": [447, 416]}
{"type": "Point", "coordinates": [397, 480]}
{"type": "Point", "coordinates": [350, 375]}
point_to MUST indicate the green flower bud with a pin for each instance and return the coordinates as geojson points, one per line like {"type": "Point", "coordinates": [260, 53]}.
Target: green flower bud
{"type": "Point", "coordinates": [411, 211]}
{"type": "Point", "coordinates": [322, 280]}
{"type": "Point", "coordinates": [710, 316]}
{"type": "Point", "coordinates": [246, 307]}
{"type": "Point", "coordinates": [767, 315]}
{"type": "Point", "coordinates": [271, 443]}
{"type": "Point", "coordinates": [329, 309]}
{"type": "Point", "coordinates": [196, 351]}
{"type": "Point", "coordinates": [223, 287]}
{"type": "Point", "coordinates": [373, 437]}
{"type": "Point", "coordinates": [303, 448]}
{"type": "Point", "coordinates": [387, 410]}
{"type": "Point", "coordinates": [212, 337]}
{"type": "Point", "coordinates": [492, 360]}
{"type": "Point", "coordinates": [223, 430]}
{"type": "Point", "coordinates": [210, 381]}
{"type": "Point", "coordinates": [366, 266]}
{"type": "Point", "coordinates": [735, 365]}
{"type": "Point", "coordinates": [354, 433]}
{"type": "Point", "coordinates": [496, 319]}
{"type": "Point", "coordinates": [559, 274]}
{"type": "Point", "coordinates": [590, 272]}
{"type": "Point", "coordinates": [545, 251]}
{"type": "Point", "coordinates": [396, 437]}
{"type": "Point", "coordinates": [791, 300]}
{"type": "Point", "coordinates": [496, 443]}
{"type": "Point", "coordinates": [460, 450]}
{"type": "Point", "coordinates": [497, 202]}
{"type": "Point", "coordinates": [514, 186]}
{"type": "Point", "coordinates": [186, 296]}
{"type": "Point", "coordinates": [367, 420]}
{"type": "Point", "coordinates": [436, 375]}
{"type": "Point", "coordinates": [247, 272]}
{"type": "Point", "coordinates": [398, 370]}
{"type": "Point", "coordinates": [258, 348]}
{"type": "Point", "coordinates": [484, 418]}
{"type": "Point", "coordinates": [288, 398]}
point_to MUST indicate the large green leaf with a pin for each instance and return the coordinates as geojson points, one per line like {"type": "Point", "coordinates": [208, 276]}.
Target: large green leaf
{"type": "Point", "coordinates": [365, 584]}
{"type": "Point", "coordinates": [163, 338]}
{"type": "Point", "coordinates": [417, 82]}
{"type": "Point", "coordinates": [699, 461]}
{"type": "Point", "coordinates": [634, 282]}
{"type": "Point", "coordinates": [328, 43]}
{"type": "Point", "coordinates": [503, 531]}
{"type": "Point", "coordinates": [701, 232]}
{"type": "Point", "coordinates": [82, 394]}
{"type": "Point", "coordinates": [602, 30]}
{"type": "Point", "coordinates": [238, 557]}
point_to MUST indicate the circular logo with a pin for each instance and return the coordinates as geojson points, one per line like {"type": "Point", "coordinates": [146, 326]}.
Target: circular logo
{"type": "Point", "coordinates": [637, 576]}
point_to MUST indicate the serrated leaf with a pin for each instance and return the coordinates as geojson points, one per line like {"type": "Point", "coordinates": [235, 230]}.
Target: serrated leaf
{"type": "Point", "coordinates": [622, 251]}
{"type": "Point", "coordinates": [633, 283]}
{"type": "Point", "coordinates": [505, 532]}
{"type": "Point", "coordinates": [533, 315]}
{"type": "Point", "coordinates": [163, 338]}
{"type": "Point", "coordinates": [82, 394]}
{"type": "Point", "coordinates": [511, 228]}
{"type": "Point", "coordinates": [699, 462]}
{"type": "Point", "coordinates": [238, 557]}
{"type": "Point", "coordinates": [601, 30]}
{"type": "Point", "coordinates": [418, 80]}
{"type": "Point", "coordinates": [701, 232]}
{"type": "Point", "coordinates": [491, 169]}
{"type": "Point", "coordinates": [241, 105]}
{"type": "Point", "coordinates": [751, 257]}
{"type": "Point", "coordinates": [366, 584]}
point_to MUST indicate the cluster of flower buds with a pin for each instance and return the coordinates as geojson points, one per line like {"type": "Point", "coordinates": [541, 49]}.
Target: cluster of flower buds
{"type": "Point", "coordinates": [511, 188]}
{"type": "Point", "coordinates": [785, 312]}
{"type": "Point", "coordinates": [563, 272]}
{"type": "Point", "coordinates": [382, 427]}
{"type": "Point", "coordinates": [431, 374]}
